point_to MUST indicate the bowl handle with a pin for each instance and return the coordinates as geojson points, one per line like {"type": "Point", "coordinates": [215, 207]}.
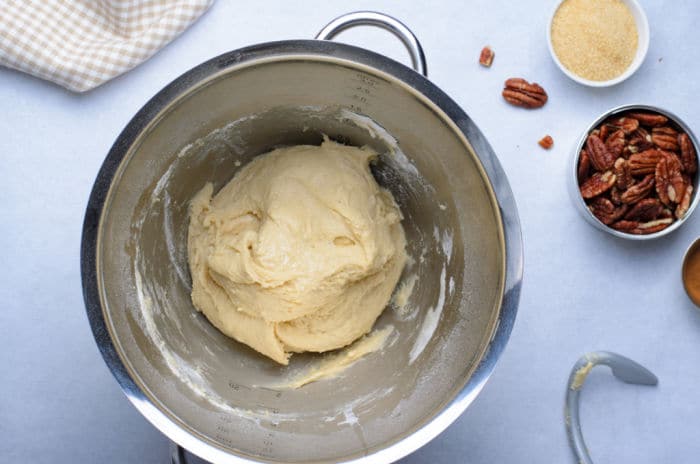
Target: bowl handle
{"type": "Point", "coordinates": [372, 18]}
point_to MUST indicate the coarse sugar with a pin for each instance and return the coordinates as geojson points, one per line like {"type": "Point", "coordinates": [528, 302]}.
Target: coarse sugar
{"type": "Point", "coordinates": [594, 39]}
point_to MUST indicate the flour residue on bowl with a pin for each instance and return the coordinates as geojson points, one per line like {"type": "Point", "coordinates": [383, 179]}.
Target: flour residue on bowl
{"type": "Point", "coordinates": [336, 362]}
{"type": "Point", "coordinates": [403, 293]}
{"type": "Point", "coordinates": [188, 375]}
{"type": "Point", "coordinates": [430, 322]}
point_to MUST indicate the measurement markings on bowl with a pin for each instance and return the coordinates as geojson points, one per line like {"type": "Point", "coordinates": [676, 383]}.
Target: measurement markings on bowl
{"type": "Point", "coordinates": [226, 435]}
{"type": "Point", "coordinates": [223, 432]}
{"type": "Point", "coordinates": [267, 444]}
{"type": "Point", "coordinates": [265, 415]}
{"type": "Point", "coordinates": [361, 86]}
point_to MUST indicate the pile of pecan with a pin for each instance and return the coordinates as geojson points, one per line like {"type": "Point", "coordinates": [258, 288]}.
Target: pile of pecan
{"type": "Point", "coordinates": [636, 172]}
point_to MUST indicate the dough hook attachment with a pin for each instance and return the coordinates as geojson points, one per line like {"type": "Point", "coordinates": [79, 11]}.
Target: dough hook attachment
{"type": "Point", "coordinates": [623, 368]}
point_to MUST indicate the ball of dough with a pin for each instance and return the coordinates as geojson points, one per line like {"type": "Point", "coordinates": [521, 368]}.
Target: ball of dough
{"type": "Point", "coordinates": [300, 251]}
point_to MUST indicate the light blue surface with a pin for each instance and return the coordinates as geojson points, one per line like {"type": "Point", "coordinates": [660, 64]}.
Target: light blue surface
{"type": "Point", "coordinates": [583, 289]}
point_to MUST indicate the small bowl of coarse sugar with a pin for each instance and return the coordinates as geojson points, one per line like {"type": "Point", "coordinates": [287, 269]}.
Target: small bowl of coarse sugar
{"type": "Point", "coordinates": [598, 43]}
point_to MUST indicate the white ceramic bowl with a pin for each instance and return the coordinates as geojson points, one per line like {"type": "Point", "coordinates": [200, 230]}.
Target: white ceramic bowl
{"type": "Point", "coordinates": [640, 18]}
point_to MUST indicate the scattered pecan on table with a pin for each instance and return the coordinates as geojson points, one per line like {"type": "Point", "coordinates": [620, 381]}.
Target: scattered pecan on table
{"type": "Point", "coordinates": [520, 92]}
{"type": "Point", "coordinates": [486, 57]}
{"type": "Point", "coordinates": [636, 172]}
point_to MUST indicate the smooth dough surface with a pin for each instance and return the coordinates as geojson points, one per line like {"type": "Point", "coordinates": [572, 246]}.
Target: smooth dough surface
{"type": "Point", "coordinates": [300, 251]}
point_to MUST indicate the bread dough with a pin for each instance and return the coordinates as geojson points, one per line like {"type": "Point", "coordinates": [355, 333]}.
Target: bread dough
{"type": "Point", "coordinates": [300, 251]}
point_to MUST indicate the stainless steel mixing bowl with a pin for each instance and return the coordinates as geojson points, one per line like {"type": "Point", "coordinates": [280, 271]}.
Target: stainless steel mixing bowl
{"type": "Point", "coordinates": [217, 397]}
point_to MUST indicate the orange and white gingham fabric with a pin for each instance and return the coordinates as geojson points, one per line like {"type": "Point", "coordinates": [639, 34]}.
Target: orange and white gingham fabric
{"type": "Point", "coordinates": [81, 44]}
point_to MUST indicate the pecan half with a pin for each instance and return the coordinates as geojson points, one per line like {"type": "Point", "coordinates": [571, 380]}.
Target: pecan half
{"type": "Point", "coordinates": [639, 190]}
{"type": "Point", "coordinates": [665, 138]}
{"type": "Point", "coordinates": [626, 226]}
{"type": "Point", "coordinates": [684, 204]}
{"type": "Point", "coordinates": [670, 185]}
{"type": "Point", "coordinates": [520, 92]}
{"type": "Point", "coordinates": [636, 227]}
{"type": "Point", "coordinates": [596, 184]}
{"type": "Point", "coordinates": [486, 56]}
{"type": "Point", "coordinates": [663, 181]}
{"type": "Point", "coordinates": [649, 119]}
{"type": "Point", "coordinates": [602, 208]}
{"type": "Point", "coordinates": [655, 225]}
{"type": "Point", "coordinates": [678, 181]}
{"type": "Point", "coordinates": [601, 158]}
{"type": "Point", "coordinates": [689, 158]}
{"type": "Point", "coordinates": [622, 172]}
{"type": "Point", "coordinates": [615, 143]}
{"type": "Point", "coordinates": [626, 123]}
{"type": "Point", "coordinates": [605, 210]}
{"type": "Point", "coordinates": [604, 132]}
{"type": "Point", "coordinates": [645, 210]}
{"type": "Point", "coordinates": [584, 166]}
{"type": "Point", "coordinates": [645, 162]}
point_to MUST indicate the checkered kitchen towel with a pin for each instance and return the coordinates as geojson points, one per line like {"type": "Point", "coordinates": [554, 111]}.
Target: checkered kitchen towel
{"type": "Point", "coordinates": [81, 44]}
